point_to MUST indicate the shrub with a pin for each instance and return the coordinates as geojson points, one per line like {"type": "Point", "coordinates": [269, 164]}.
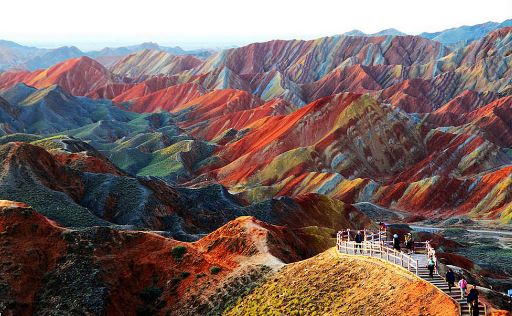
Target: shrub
{"type": "Point", "coordinates": [150, 294]}
{"type": "Point", "coordinates": [184, 274]}
{"type": "Point", "coordinates": [151, 298]}
{"type": "Point", "coordinates": [144, 311]}
{"type": "Point", "coordinates": [174, 284]}
{"type": "Point", "coordinates": [178, 252]}
{"type": "Point", "coordinates": [455, 232]}
{"type": "Point", "coordinates": [200, 275]}
{"type": "Point", "coordinates": [215, 270]}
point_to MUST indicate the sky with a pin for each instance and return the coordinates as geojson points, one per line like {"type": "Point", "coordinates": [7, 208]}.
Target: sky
{"type": "Point", "coordinates": [94, 24]}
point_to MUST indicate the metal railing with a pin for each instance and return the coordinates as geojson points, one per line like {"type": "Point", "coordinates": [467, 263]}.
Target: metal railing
{"type": "Point", "coordinates": [378, 249]}
{"type": "Point", "coordinates": [381, 235]}
{"type": "Point", "coordinates": [432, 252]}
{"type": "Point", "coordinates": [349, 235]}
{"type": "Point", "coordinates": [375, 244]}
{"type": "Point", "coordinates": [417, 247]}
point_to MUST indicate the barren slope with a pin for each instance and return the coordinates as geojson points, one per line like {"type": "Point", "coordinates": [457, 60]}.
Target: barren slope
{"type": "Point", "coordinates": [331, 284]}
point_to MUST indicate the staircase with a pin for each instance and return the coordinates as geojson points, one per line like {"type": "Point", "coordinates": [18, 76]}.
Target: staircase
{"type": "Point", "coordinates": [375, 246]}
{"type": "Point", "coordinates": [441, 284]}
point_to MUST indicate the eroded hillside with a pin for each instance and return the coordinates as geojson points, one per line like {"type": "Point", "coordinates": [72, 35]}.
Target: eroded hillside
{"type": "Point", "coordinates": [334, 284]}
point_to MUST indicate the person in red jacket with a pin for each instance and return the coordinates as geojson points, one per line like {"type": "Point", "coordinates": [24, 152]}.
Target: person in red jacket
{"type": "Point", "coordinates": [463, 285]}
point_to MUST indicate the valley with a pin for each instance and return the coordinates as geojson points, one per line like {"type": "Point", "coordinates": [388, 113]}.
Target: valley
{"type": "Point", "coordinates": [157, 181]}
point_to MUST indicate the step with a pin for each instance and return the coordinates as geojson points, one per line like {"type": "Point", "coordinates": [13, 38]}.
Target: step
{"type": "Point", "coordinates": [441, 284]}
{"type": "Point", "coordinates": [454, 295]}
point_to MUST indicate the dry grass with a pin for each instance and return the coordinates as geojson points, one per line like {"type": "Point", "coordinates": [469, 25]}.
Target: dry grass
{"type": "Point", "coordinates": [331, 284]}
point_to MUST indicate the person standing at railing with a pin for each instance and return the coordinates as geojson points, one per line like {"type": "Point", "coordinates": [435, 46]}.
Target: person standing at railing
{"type": "Point", "coordinates": [383, 229]}
{"type": "Point", "coordinates": [431, 265]}
{"type": "Point", "coordinates": [359, 239]}
{"type": "Point", "coordinates": [409, 243]}
{"type": "Point", "coordinates": [396, 242]}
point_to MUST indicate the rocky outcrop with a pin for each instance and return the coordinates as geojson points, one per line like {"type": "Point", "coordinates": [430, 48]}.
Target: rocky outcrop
{"type": "Point", "coordinates": [49, 269]}
{"type": "Point", "coordinates": [149, 63]}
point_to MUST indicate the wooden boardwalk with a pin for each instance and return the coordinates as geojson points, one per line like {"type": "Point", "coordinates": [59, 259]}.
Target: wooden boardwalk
{"type": "Point", "coordinates": [374, 245]}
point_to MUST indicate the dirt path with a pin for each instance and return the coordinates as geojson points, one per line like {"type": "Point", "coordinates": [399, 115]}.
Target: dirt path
{"type": "Point", "coordinates": [476, 231]}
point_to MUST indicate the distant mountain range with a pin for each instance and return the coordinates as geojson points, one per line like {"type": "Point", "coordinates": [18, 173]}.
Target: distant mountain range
{"type": "Point", "coordinates": [254, 156]}
{"type": "Point", "coordinates": [217, 117]}
{"type": "Point", "coordinates": [16, 56]}
{"type": "Point", "coordinates": [454, 37]}
{"type": "Point", "coordinates": [392, 32]}
{"type": "Point", "coordinates": [460, 36]}
{"type": "Point", "coordinates": [108, 54]}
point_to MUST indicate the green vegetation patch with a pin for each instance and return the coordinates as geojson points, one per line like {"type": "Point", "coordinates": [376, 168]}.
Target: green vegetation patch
{"type": "Point", "coordinates": [491, 257]}
{"type": "Point", "coordinates": [166, 161]}
{"type": "Point", "coordinates": [50, 143]}
{"type": "Point", "coordinates": [178, 252]}
{"type": "Point", "coordinates": [215, 270]}
{"type": "Point", "coordinates": [25, 138]}
{"type": "Point", "coordinates": [455, 232]}
{"type": "Point", "coordinates": [150, 293]}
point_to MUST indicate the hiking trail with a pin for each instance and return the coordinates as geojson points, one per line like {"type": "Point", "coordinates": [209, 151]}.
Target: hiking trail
{"type": "Point", "coordinates": [376, 245]}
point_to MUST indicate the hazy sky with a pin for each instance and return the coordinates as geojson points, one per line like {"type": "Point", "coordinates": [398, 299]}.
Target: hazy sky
{"type": "Point", "coordinates": [95, 23]}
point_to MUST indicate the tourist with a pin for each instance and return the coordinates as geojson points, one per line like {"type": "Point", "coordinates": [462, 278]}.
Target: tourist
{"type": "Point", "coordinates": [472, 300]}
{"type": "Point", "coordinates": [382, 231]}
{"type": "Point", "coordinates": [359, 239]}
{"type": "Point", "coordinates": [396, 242]}
{"type": "Point", "coordinates": [463, 284]}
{"type": "Point", "coordinates": [409, 243]}
{"type": "Point", "coordinates": [450, 278]}
{"type": "Point", "coordinates": [431, 264]}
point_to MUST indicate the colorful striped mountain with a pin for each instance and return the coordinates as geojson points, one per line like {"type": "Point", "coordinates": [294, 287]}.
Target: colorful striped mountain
{"type": "Point", "coordinates": [123, 175]}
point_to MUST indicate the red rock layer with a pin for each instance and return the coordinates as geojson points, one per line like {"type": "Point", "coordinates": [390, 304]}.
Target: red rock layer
{"type": "Point", "coordinates": [144, 88]}
{"type": "Point", "coordinates": [78, 76]}
{"type": "Point", "coordinates": [493, 119]}
{"type": "Point", "coordinates": [238, 120]}
{"type": "Point", "coordinates": [217, 103]}
{"type": "Point", "coordinates": [167, 99]}
{"type": "Point", "coordinates": [128, 262]}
